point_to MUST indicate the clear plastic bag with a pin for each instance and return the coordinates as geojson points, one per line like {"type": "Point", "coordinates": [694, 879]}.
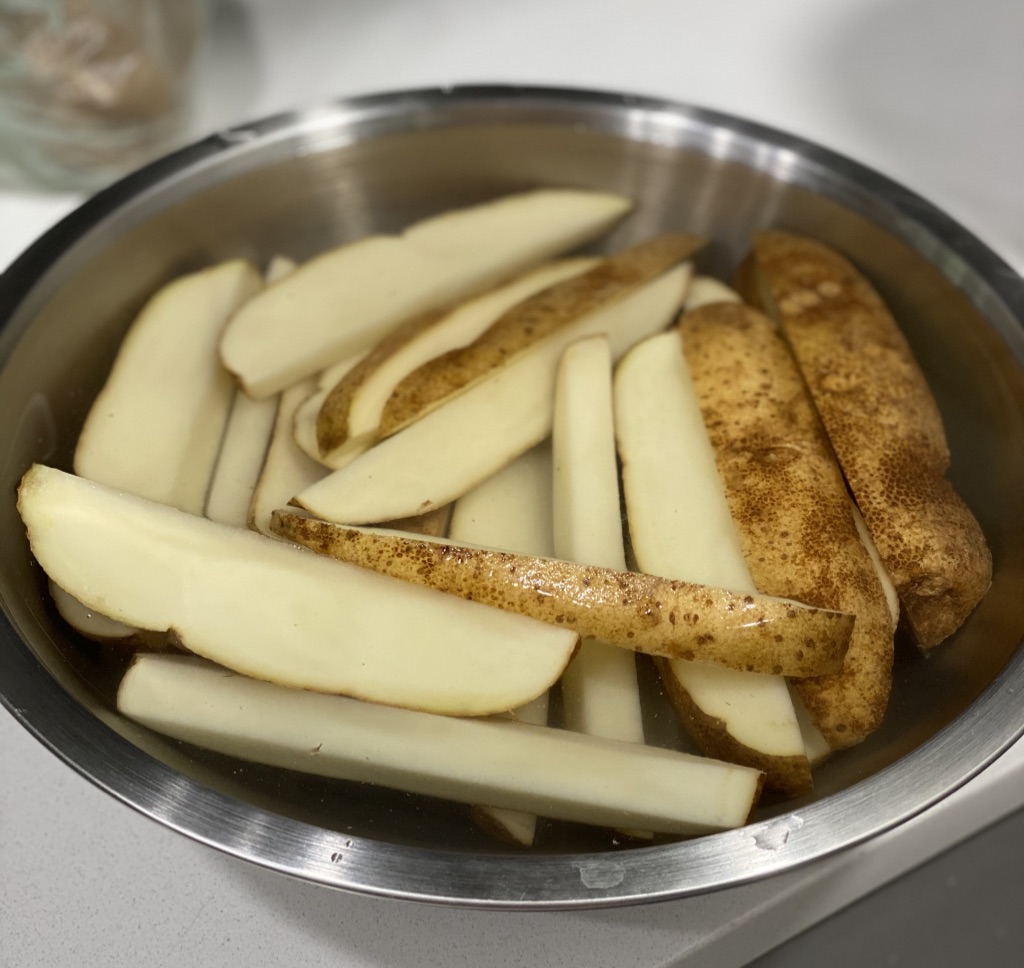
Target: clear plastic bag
{"type": "Point", "coordinates": [90, 89]}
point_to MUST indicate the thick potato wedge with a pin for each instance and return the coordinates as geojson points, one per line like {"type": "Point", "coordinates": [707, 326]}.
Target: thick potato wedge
{"type": "Point", "coordinates": [530, 321]}
{"type": "Point", "coordinates": [628, 609]}
{"type": "Point", "coordinates": [790, 504]}
{"type": "Point", "coordinates": [271, 610]}
{"type": "Point", "coordinates": [883, 424]}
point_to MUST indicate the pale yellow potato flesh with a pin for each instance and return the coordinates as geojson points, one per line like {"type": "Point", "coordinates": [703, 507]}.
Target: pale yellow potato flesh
{"type": "Point", "coordinates": [790, 504]}
{"type": "Point", "coordinates": [707, 289]}
{"type": "Point", "coordinates": [680, 526]}
{"type": "Point", "coordinates": [347, 298]}
{"type": "Point", "coordinates": [644, 613]}
{"type": "Point", "coordinates": [443, 455]}
{"type": "Point", "coordinates": [599, 689]}
{"type": "Point", "coordinates": [883, 424]}
{"type": "Point", "coordinates": [241, 459]}
{"type": "Point", "coordinates": [511, 511]}
{"type": "Point", "coordinates": [308, 411]}
{"type": "Point", "coordinates": [286, 469]}
{"type": "Point", "coordinates": [350, 413]}
{"type": "Point", "coordinates": [273, 611]}
{"type": "Point", "coordinates": [155, 428]}
{"type": "Point", "coordinates": [512, 765]}
{"type": "Point", "coordinates": [557, 308]}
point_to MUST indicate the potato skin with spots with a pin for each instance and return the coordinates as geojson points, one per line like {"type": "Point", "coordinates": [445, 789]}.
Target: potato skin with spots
{"type": "Point", "coordinates": [631, 610]}
{"type": "Point", "coordinates": [883, 424]}
{"type": "Point", "coordinates": [530, 321]}
{"type": "Point", "coordinates": [790, 504]}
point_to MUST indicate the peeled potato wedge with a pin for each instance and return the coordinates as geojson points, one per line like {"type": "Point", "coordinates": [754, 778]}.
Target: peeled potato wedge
{"type": "Point", "coordinates": [644, 613]}
{"type": "Point", "coordinates": [882, 422]}
{"type": "Point", "coordinates": [790, 504]}
{"type": "Point", "coordinates": [555, 309]}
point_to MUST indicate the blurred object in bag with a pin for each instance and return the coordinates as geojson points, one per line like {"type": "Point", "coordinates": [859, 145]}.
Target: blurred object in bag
{"type": "Point", "coordinates": [91, 89]}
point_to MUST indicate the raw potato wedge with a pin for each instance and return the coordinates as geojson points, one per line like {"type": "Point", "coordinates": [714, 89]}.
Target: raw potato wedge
{"type": "Point", "coordinates": [441, 456]}
{"type": "Point", "coordinates": [790, 504]}
{"type": "Point", "coordinates": [155, 428]}
{"type": "Point", "coordinates": [273, 611]}
{"type": "Point", "coordinates": [557, 308]}
{"type": "Point", "coordinates": [883, 424]}
{"type": "Point", "coordinates": [351, 411]}
{"type": "Point", "coordinates": [346, 299]}
{"type": "Point", "coordinates": [286, 469]}
{"type": "Point", "coordinates": [530, 768]}
{"type": "Point", "coordinates": [511, 511]}
{"type": "Point", "coordinates": [644, 613]}
{"type": "Point", "coordinates": [680, 526]}
{"type": "Point", "coordinates": [599, 689]}
{"type": "Point", "coordinates": [308, 412]}
{"type": "Point", "coordinates": [707, 289]}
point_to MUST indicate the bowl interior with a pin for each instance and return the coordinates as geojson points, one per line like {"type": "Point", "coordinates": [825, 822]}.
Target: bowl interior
{"type": "Point", "coordinates": [297, 185]}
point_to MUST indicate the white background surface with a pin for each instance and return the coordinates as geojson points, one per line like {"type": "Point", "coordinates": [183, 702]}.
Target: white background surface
{"type": "Point", "coordinates": [931, 92]}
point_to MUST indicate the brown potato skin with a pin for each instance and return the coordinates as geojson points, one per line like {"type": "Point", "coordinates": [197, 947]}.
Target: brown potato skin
{"type": "Point", "coordinates": [332, 420]}
{"type": "Point", "coordinates": [635, 611]}
{"type": "Point", "coordinates": [790, 775]}
{"type": "Point", "coordinates": [790, 504]}
{"type": "Point", "coordinates": [883, 424]}
{"type": "Point", "coordinates": [530, 321]}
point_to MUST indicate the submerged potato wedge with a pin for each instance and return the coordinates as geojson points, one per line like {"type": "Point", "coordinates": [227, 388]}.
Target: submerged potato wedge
{"type": "Point", "coordinates": [790, 504]}
{"type": "Point", "coordinates": [644, 613]}
{"type": "Point", "coordinates": [155, 428]}
{"type": "Point", "coordinates": [347, 298]}
{"type": "Point", "coordinates": [680, 526]}
{"type": "Point", "coordinates": [273, 611]}
{"type": "Point", "coordinates": [883, 424]}
{"type": "Point", "coordinates": [508, 764]}
{"type": "Point", "coordinates": [350, 413]}
{"type": "Point", "coordinates": [532, 320]}
{"type": "Point", "coordinates": [444, 454]}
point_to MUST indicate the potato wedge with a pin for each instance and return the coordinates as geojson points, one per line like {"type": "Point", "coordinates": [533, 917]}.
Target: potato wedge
{"type": "Point", "coordinates": [511, 511]}
{"type": "Point", "coordinates": [600, 696]}
{"type": "Point", "coordinates": [528, 768]}
{"type": "Point", "coordinates": [273, 611]}
{"type": "Point", "coordinates": [558, 308]}
{"type": "Point", "coordinates": [344, 300]}
{"type": "Point", "coordinates": [644, 613]}
{"type": "Point", "coordinates": [790, 504]}
{"type": "Point", "coordinates": [680, 525]}
{"type": "Point", "coordinates": [351, 411]}
{"type": "Point", "coordinates": [477, 432]}
{"type": "Point", "coordinates": [883, 424]}
{"type": "Point", "coordinates": [155, 428]}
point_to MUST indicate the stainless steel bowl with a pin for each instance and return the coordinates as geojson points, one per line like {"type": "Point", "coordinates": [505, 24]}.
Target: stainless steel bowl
{"type": "Point", "coordinates": [299, 182]}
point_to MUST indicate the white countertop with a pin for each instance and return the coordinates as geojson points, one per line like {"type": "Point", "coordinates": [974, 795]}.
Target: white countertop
{"type": "Point", "coordinates": [930, 92]}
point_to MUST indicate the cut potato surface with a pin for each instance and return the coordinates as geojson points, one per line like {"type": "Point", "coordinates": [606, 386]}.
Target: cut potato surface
{"type": "Point", "coordinates": [441, 456]}
{"type": "Point", "coordinates": [680, 526]}
{"type": "Point", "coordinates": [635, 611]}
{"type": "Point", "coordinates": [346, 299]}
{"type": "Point", "coordinates": [155, 428]}
{"type": "Point", "coordinates": [883, 424]}
{"type": "Point", "coordinates": [511, 511]}
{"type": "Point", "coordinates": [351, 411]}
{"type": "Point", "coordinates": [273, 611]}
{"type": "Point", "coordinates": [557, 308]}
{"type": "Point", "coordinates": [599, 689]}
{"type": "Point", "coordinates": [507, 764]}
{"type": "Point", "coordinates": [790, 504]}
